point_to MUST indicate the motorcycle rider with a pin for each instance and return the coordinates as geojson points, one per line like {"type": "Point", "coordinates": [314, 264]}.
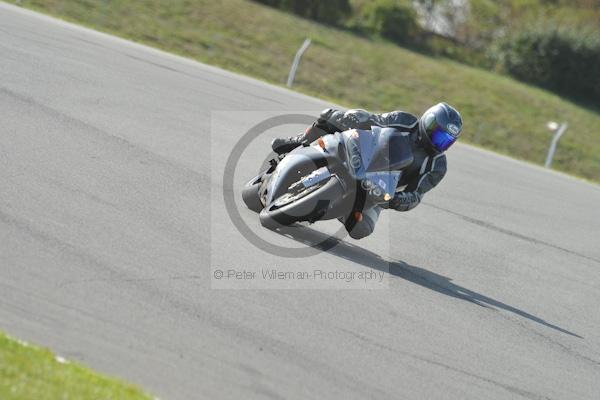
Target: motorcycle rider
{"type": "Point", "coordinates": [430, 136]}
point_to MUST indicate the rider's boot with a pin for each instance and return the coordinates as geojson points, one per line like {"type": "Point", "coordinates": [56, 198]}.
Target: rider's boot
{"type": "Point", "coordinates": [285, 145]}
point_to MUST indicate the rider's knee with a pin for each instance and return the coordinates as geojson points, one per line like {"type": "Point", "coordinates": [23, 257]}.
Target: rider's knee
{"type": "Point", "coordinates": [360, 231]}
{"type": "Point", "coordinates": [363, 228]}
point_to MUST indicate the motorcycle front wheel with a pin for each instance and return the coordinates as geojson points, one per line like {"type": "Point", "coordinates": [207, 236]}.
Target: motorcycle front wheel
{"type": "Point", "coordinates": [306, 204]}
{"type": "Point", "coordinates": [251, 196]}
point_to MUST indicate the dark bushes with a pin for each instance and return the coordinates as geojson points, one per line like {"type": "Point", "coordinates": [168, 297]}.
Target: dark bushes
{"type": "Point", "coordinates": [327, 11]}
{"type": "Point", "coordinates": [566, 61]}
{"type": "Point", "coordinates": [395, 20]}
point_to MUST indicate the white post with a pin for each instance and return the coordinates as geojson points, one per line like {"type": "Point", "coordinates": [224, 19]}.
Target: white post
{"type": "Point", "coordinates": [559, 132]}
{"type": "Point", "coordinates": [296, 62]}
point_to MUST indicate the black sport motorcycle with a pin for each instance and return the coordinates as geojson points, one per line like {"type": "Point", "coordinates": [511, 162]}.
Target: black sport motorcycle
{"type": "Point", "coordinates": [335, 177]}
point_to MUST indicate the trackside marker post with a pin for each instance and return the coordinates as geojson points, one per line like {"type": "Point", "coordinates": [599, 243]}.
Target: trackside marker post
{"type": "Point", "coordinates": [299, 53]}
{"type": "Point", "coordinates": [559, 131]}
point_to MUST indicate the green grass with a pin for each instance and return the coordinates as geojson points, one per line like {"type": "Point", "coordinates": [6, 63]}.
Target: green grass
{"type": "Point", "coordinates": [500, 113]}
{"type": "Point", "coordinates": [32, 373]}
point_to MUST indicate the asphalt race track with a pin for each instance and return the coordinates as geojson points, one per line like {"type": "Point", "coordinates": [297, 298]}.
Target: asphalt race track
{"type": "Point", "coordinates": [112, 224]}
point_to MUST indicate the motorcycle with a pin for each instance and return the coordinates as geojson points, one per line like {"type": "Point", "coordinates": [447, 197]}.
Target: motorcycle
{"type": "Point", "coordinates": [335, 177]}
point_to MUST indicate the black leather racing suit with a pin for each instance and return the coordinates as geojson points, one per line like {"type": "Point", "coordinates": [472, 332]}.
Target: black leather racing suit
{"type": "Point", "coordinates": [426, 171]}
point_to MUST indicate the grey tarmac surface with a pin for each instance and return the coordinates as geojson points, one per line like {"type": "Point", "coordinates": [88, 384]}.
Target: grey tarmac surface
{"type": "Point", "coordinates": [111, 224]}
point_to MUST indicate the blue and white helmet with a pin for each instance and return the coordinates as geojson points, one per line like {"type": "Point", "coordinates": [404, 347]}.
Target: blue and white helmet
{"type": "Point", "coordinates": [440, 126]}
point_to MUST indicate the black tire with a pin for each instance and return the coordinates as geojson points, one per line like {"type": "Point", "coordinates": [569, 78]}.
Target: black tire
{"type": "Point", "coordinates": [251, 196]}
{"type": "Point", "coordinates": [302, 209]}
{"type": "Point", "coordinates": [273, 220]}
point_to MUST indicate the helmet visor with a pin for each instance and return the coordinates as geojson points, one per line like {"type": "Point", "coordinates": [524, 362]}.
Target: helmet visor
{"type": "Point", "coordinates": [441, 139]}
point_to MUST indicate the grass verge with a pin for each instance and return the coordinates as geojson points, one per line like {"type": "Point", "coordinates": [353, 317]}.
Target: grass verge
{"type": "Point", "coordinates": [500, 113]}
{"type": "Point", "coordinates": [28, 372]}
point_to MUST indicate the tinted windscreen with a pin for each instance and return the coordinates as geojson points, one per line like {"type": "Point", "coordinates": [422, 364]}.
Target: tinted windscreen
{"type": "Point", "coordinates": [376, 150]}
